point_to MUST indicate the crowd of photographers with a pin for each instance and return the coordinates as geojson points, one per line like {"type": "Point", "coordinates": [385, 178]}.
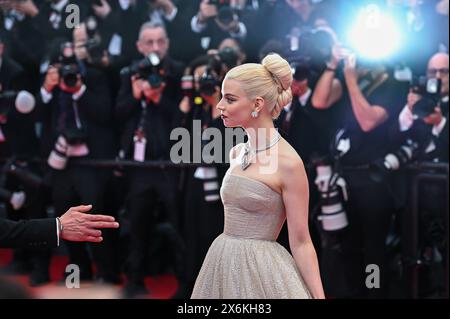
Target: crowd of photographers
{"type": "Point", "coordinates": [115, 87]}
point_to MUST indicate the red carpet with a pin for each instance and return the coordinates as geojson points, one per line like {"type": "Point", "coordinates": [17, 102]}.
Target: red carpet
{"type": "Point", "coordinates": [161, 287]}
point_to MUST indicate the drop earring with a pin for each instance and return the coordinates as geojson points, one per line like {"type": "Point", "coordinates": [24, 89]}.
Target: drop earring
{"type": "Point", "coordinates": [254, 114]}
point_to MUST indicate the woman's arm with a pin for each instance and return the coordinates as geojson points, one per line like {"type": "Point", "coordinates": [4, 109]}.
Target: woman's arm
{"type": "Point", "coordinates": [296, 200]}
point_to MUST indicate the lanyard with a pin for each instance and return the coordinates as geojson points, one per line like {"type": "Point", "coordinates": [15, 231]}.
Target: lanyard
{"type": "Point", "coordinates": [140, 132]}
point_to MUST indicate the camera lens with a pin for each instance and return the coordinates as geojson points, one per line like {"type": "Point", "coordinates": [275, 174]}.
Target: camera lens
{"type": "Point", "coordinates": [69, 74]}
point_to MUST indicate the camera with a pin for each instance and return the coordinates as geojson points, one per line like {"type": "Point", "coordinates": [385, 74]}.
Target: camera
{"type": "Point", "coordinates": [149, 69]}
{"type": "Point", "coordinates": [69, 74]}
{"type": "Point", "coordinates": [23, 101]}
{"type": "Point", "coordinates": [332, 189]}
{"type": "Point", "coordinates": [187, 85]}
{"type": "Point", "coordinates": [227, 57]}
{"type": "Point", "coordinates": [310, 47]}
{"type": "Point", "coordinates": [209, 82]}
{"type": "Point", "coordinates": [71, 143]}
{"type": "Point", "coordinates": [189, 91]}
{"type": "Point", "coordinates": [68, 71]}
{"type": "Point", "coordinates": [75, 136]}
{"type": "Point", "coordinates": [95, 50]}
{"type": "Point", "coordinates": [381, 168]}
{"type": "Point", "coordinates": [430, 91]}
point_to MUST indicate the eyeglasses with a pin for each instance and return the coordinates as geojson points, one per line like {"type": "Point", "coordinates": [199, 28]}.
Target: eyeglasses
{"type": "Point", "coordinates": [161, 42]}
{"type": "Point", "coordinates": [434, 72]}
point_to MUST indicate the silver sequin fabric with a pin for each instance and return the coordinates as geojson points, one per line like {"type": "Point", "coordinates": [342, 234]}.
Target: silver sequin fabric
{"type": "Point", "coordinates": [245, 261]}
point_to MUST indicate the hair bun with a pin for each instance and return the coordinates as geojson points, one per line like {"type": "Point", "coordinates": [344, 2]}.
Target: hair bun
{"type": "Point", "coordinates": [284, 98]}
{"type": "Point", "coordinates": [280, 70]}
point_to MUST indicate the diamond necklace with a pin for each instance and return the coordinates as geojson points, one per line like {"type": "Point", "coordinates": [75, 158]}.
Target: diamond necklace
{"type": "Point", "coordinates": [246, 162]}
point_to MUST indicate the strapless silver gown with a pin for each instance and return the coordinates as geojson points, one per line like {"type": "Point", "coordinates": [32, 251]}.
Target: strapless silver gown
{"type": "Point", "coordinates": [245, 261]}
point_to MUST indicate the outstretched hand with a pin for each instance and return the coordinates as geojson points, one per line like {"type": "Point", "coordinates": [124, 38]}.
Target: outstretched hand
{"type": "Point", "coordinates": [79, 226]}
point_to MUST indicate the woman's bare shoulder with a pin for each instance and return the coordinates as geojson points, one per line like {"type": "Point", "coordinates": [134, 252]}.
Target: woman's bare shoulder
{"type": "Point", "coordinates": [289, 156]}
{"type": "Point", "coordinates": [290, 163]}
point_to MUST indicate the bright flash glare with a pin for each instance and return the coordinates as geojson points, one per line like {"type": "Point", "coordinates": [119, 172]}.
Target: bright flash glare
{"type": "Point", "coordinates": [375, 34]}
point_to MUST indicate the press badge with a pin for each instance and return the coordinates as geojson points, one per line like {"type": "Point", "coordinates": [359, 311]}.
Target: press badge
{"type": "Point", "coordinates": [139, 148]}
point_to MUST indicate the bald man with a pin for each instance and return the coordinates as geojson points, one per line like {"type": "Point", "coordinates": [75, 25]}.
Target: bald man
{"type": "Point", "coordinates": [438, 68]}
{"type": "Point", "coordinates": [437, 122]}
{"type": "Point", "coordinates": [431, 134]}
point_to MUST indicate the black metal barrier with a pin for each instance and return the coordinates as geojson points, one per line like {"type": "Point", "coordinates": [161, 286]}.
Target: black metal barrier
{"type": "Point", "coordinates": [420, 173]}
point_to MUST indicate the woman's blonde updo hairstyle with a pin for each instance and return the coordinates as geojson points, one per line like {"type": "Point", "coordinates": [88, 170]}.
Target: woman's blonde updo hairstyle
{"type": "Point", "coordinates": [270, 80]}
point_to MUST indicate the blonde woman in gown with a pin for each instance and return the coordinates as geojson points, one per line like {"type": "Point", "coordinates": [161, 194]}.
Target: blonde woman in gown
{"type": "Point", "coordinates": [265, 185]}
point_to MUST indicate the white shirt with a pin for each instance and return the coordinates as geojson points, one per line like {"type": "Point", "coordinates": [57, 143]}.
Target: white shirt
{"type": "Point", "coordinates": [47, 96]}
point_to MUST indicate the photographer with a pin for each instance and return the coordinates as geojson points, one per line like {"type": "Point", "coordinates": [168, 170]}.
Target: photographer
{"type": "Point", "coordinates": [218, 20]}
{"type": "Point", "coordinates": [75, 109]}
{"type": "Point", "coordinates": [369, 109]}
{"type": "Point", "coordinates": [415, 114]}
{"type": "Point", "coordinates": [89, 46]}
{"type": "Point", "coordinates": [147, 105]}
{"type": "Point", "coordinates": [422, 129]}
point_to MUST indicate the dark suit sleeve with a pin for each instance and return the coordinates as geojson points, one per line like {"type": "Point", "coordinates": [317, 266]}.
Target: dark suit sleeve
{"type": "Point", "coordinates": [28, 233]}
{"type": "Point", "coordinates": [442, 144]}
{"type": "Point", "coordinates": [42, 110]}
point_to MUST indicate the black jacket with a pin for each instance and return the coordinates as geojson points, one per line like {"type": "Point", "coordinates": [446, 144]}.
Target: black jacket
{"type": "Point", "coordinates": [309, 130]}
{"type": "Point", "coordinates": [28, 233]}
{"type": "Point", "coordinates": [159, 120]}
{"type": "Point", "coordinates": [95, 111]}
{"type": "Point", "coordinates": [11, 75]}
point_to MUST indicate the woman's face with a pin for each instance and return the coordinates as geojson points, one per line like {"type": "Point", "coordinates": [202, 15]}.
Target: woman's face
{"type": "Point", "coordinates": [235, 106]}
